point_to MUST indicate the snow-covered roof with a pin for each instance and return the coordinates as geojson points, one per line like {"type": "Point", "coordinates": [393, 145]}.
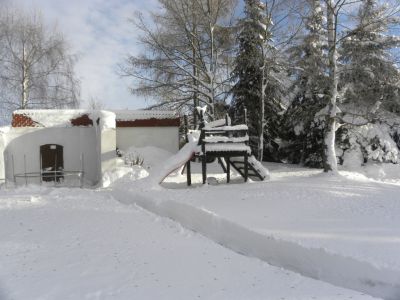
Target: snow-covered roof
{"type": "Point", "coordinates": [63, 118]}
{"type": "Point", "coordinates": [132, 115]}
{"type": "Point", "coordinates": [4, 129]}
{"type": "Point", "coordinates": [102, 118]}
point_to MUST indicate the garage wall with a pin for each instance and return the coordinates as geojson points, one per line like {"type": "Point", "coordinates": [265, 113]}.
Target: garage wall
{"type": "Point", "coordinates": [2, 147]}
{"type": "Point", "coordinates": [166, 138]}
{"type": "Point", "coordinates": [108, 149]}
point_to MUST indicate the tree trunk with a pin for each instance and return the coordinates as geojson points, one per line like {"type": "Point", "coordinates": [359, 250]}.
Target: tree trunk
{"type": "Point", "coordinates": [195, 72]}
{"type": "Point", "coordinates": [262, 115]}
{"type": "Point", "coordinates": [25, 80]}
{"type": "Point", "coordinates": [330, 160]}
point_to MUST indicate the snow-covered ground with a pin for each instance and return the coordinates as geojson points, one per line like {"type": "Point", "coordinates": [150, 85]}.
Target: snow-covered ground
{"type": "Point", "coordinates": [83, 244]}
{"type": "Point", "coordinates": [120, 242]}
{"type": "Point", "coordinates": [349, 215]}
{"type": "Point", "coordinates": [341, 229]}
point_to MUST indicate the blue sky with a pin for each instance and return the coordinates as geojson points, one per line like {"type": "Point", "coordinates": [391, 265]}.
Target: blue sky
{"type": "Point", "coordinates": [98, 31]}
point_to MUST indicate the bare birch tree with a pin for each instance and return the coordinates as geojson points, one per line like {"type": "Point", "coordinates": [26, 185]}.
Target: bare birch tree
{"type": "Point", "coordinates": [36, 69]}
{"type": "Point", "coordinates": [188, 54]}
{"type": "Point", "coordinates": [337, 11]}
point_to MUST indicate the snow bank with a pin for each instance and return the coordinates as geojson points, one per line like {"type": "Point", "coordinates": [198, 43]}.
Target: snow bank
{"type": "Point", "coordinates": [97, 248]}
{"type": "Point", "coordinates": [152, 156]}
{"type": "Point", "coordinates": [152, 161]}
{"type": "Point", "coordinates": [122, 170]}
{"type": "Point", "coordinates": [325, 227]}
{"type": "Point", "coordinates": [384, 172]}
{"type": "Point", "coordinates": [315, 263]}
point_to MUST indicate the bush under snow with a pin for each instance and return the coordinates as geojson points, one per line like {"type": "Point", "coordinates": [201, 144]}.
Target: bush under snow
{"type": "Point", "coordinates": [369, 143]}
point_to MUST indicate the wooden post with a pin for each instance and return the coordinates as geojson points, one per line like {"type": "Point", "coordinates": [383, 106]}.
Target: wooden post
{"type": "Point", "coordinates": [82, 172]}
{"type": "Point", "coordinates": [55, 169]}
{"type": "Point", "coordinates": [204, 163]}
{"type": "Point", "coordinates": [186, 124]}
{"type": "Point", "coordinates": [188, 174]}
{"type": "Point", "coordinates": [246, 166]}
{"type": "Point", "coordinates": [228, 170]}
{"type": "Point", "coordinates": [245, 116]}
{"type": "Point", "coordinates": [26, 179]}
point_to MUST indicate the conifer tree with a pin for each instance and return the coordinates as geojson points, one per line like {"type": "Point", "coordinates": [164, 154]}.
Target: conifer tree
{"type": "Point", "coordinates": [301, 130]}
{"type": "Point", "coordinates": [370, 78]}
{"type": "Point", "coordinates": [257, 88]}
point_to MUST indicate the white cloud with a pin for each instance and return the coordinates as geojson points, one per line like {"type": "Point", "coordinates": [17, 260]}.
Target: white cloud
{"type": "Point", "coordinates": [100, 34]}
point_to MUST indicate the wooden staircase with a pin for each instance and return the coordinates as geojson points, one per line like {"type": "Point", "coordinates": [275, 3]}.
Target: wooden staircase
{"type": "Point", "coordinates": [253, 170]}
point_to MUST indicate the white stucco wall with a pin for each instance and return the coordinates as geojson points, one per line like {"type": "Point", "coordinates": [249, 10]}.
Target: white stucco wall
{"type": "Point", "coordinates": [166, 138]}
{"type": "Point", "coordinates": [2, 146]}
{"type": "Point", "coordinates": [108, 147]}
{"type": "Point", "coordinates": [75, 140]}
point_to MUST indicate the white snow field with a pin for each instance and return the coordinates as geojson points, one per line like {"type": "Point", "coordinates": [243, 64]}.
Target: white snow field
{"type": "Point", "coordinates": [83, 244]}
{"type": "Point", "coordinates": [344, 230]}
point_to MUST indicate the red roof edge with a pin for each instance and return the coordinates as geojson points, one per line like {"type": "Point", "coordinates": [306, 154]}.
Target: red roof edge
{"type": "Point", "coordinates": [83, 120]}
{"type": "Point", "coordinates": [21, 120]}
{"type": "Point", "coordinates": [153, 122]}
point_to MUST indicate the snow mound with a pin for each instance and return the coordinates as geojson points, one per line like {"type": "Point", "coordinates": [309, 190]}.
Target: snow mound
{"type": "Point", "coordinates": [121, 170]}
{"type": "Point", "coordinates": [384, 172]}
{"type": "Point", "coordinates": [150, 156]}
{"type": "Point", "coordinates": [368, 143]}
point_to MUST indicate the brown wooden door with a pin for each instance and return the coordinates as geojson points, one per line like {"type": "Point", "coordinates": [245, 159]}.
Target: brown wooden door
{"type": "Point", "coordinates": [52, 160]}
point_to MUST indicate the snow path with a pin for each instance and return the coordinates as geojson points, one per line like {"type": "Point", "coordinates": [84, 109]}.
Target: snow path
{"type": "Point", "coordinates": [80, 244]}
{"type": "Point", "coordinates": [341, 231]}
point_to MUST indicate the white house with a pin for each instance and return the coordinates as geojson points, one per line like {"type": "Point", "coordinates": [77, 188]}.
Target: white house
{"type": "Point", "coordinates": [55, 145]}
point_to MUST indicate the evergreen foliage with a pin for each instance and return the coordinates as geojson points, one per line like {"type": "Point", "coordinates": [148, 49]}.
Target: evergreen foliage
{"type": "Point", "coordinates": [370, 87]}
{"type": "Point", "coordinates": [369, 78]}
{"type": "Point", "coordinates": [302, 132]}
{"type": "Point", "coordinates": [257, 87]}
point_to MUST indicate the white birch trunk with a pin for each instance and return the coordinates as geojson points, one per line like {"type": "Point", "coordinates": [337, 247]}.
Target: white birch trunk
{"type": "Point", "coordinates": [25, 80]}
{"type": "Point", "coordinates": [262, 114]}
{"type": "Point", "coordinates": [330, 160]}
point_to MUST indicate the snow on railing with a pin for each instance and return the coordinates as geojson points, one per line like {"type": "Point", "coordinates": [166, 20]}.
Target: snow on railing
{"type": "Point", "coordinates": [225, 139]}
{"type": "Point", "coordinates": [227, 128]}
{"type": "Point", "coordinates": [56, 178]}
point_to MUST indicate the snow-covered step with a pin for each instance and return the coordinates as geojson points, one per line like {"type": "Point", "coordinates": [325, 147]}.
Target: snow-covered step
{"type": "Point", "coordinates": [256, 170]}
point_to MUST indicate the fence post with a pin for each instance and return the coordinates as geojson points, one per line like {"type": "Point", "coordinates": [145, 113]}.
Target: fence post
{"type": "Point", "coordinates": [40, 171]}
{"type": "Point", "coordinates": [26, 179]}
{"type": "Point", "coordinates": [82, 171]}
{"type": "Point", "coordinates": [55, 169]}
{"type": "Point", "coordinates": [13, 169]}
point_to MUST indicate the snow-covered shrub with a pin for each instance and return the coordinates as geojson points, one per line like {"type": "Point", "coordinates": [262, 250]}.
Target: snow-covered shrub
{"type": "Point", "coordinates": [133, 158]}
{"type": "Point", "coordinates": [369, 143]}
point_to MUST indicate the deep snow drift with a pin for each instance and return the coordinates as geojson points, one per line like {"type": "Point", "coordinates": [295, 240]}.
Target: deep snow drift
{"type": "Point", "coordinates": [82, 244]}
{"type": "Point", "coordinates": [341, 229]}
{"type": "Point", "coordinates": [73, 243]}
